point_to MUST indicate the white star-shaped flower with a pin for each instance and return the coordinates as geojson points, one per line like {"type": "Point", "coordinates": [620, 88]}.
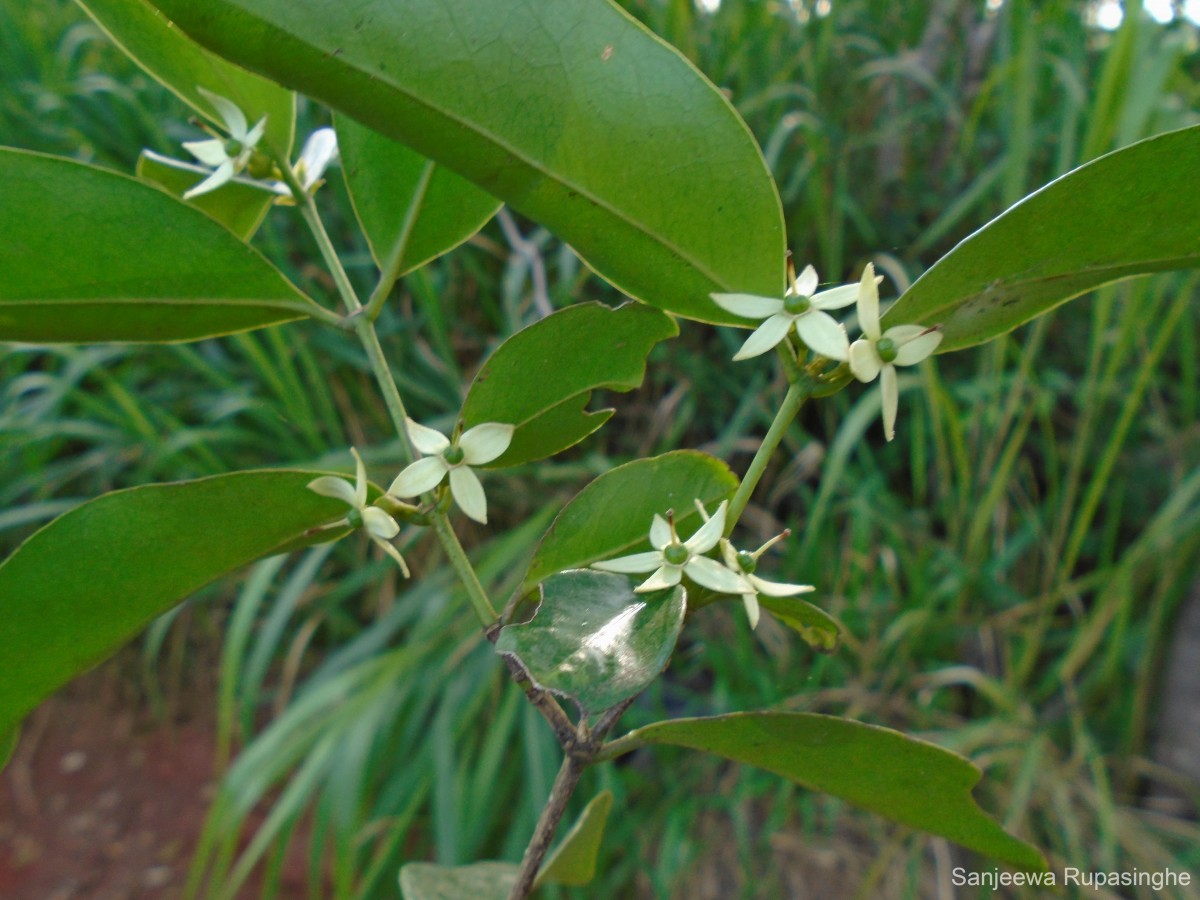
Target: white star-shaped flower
{"type": "Point", "coordinates": [228, 157]}
{"type": "Point", "coordinates": [800, 307]}
{"type": "Point", "coordinates": [743, 563]}
{"type": "Point", "coordinates": [477, 446]}
{"type": "Point", "coordinates": [379, 525]}
{"type": "Point", "coordinates": [877, 353]}
{"type": "Point", "coordinates": [672, 558]}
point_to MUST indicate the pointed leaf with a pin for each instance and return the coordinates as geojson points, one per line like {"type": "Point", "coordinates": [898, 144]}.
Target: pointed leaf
{"type": "Point", "coordinates": [478, 881]}
{"type": "Point", "coordinates": [541, 377]}
{"type": "Point", "coordinates": [570, 111]}
{"type": "Point", "coordinates": [86, 583]}
{"type": "Point", "coordinates": [820, 630]}
{"type": "Point", "coordinates": [593, 640]}
{"type": "Point", "coordinates": [902, 778]}
{"type": "Point", "coordinates": [612, 515]}
{"type": "Point", "coordinates": [90, 255]}
{"type": "Point", "coordinates": [239, 207]}
{"type": "Point", "coordinates": [573, 862]}
{"type": "Point", "coordinates": [1129, 213]}
{"type": "Point", "coordinates": [397, 193]}
{"type": "Point", "coordinates": [182, 66]}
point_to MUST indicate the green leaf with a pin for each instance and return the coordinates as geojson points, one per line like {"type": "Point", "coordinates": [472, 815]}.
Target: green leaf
{"type": "Point", "coordinates": [478, 881]}
{"type": "Point", "coordinates": [570, 111]}
{"type": "Point", "coordinates": [820, 630]}
{"type": "Point", "coordinates": [1129, 213]}
{"type": "Point", "coordinates": [8, 746]}
{"type": "Point", "coordinates": [181, 65]}
{"type": "Point", "coordinates": [541, 377]}
{"type": "Point", "coordinates": [89, 581]}
{"type": "Point", "coordinates": [902, 778]}
{"type": "Point", "coordinates": [238, 207]}
{"type": "Point", "coordinates": [397, 193]}
{"type": "Point", "coordinates": [573, 862]}
{"type": "Point", "coordinates": [612, 515]}
{"type": "Point", "coordinates": [90, 255]}
{"type": "Point", "coordinates": [593, 640]}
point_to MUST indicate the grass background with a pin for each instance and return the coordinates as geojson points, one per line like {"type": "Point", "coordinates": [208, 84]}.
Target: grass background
{"type": "Point", "coordinates": [1008, 569]}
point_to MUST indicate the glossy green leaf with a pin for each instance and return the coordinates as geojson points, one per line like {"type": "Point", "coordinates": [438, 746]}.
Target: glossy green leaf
{"type": "Point", "coordinates": [570, 111]}
{"type": "Point", "coordinates": [181, 65]}
{"type": "Point", "coordinates": [612, 515]}
{"type": "Point", "coordinates": [478, 881]}
{"type": "Point", "coordinates": [8, 745]}
{"type": "Point", "coordinates": [405, 202]}
{"type": "Point", "coordinates": [91, 255]}
{"type": "Point", "coordinates": [593, 640]}
{"type": "Point", "coordinates": [86, 583]}
{"type": "Point", "coordinates": [819, 629]}
{"type": "Point", "coordinates": [239, 207]}
{"type": "Point", "coordinates": [541, 377]}
{"type": "Point", "coordinates": [899, 777]}
{"type": "Point", "coordinates": [573, 861]}
{"type": "Point", "coordinates": [1129, 213]}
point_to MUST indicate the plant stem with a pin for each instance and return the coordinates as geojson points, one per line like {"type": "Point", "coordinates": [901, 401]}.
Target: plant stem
{"type": "Point", "coordinates": [792, 401]}
{"type": "Point", "coordinates": [390, 270]}
{"type": "Point", "coordinates": [552, 813]}
{"type": "Point", "coordinates": [484, 610]}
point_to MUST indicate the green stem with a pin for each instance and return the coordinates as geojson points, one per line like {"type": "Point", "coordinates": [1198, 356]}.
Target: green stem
{"type": "Point", "coordinates": [484, 610]}
{"type": "Point", "coordinates": [792, 401]}
{"type": "Point", "coordinates": [390, 271]}
{"type": "Point", "coordinates": [365, 329]}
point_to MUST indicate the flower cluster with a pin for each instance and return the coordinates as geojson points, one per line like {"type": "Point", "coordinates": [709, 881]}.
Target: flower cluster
{"type": "Point", "coordinates": [673, 558]}
{"type": "Point", "coordinates": [477, 446]}
{"type": "Point", "coordinates": [875, 355]}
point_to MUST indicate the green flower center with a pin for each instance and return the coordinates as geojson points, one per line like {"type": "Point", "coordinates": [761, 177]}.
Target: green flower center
{"type": "Point", "coordinates": [796, 304]}
{"type": "Point", "coordinates": [747, 562]}
{"type": "Point", "coordinates": [354, 517]}
{"type": "Point", "coordinates": [233, 148]}
{"type": "Point", "coordinates": [259, 165]}
{"type": "Point", "coordinates": [676, 555]}
{"type": "Point", "coordinates": [887, 349]}
{"type": "Point", "coordinates": [453, 455]}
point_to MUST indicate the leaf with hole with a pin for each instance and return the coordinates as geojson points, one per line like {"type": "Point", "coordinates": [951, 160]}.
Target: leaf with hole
{"type": "Point", "coordinates": [593, 640]}
{"type": "Point", "coordinates": [1132, 212]}
{"type": "Point", "coordinates": [86, 583]}
{"type": "Point", "coordinates": [571, 112]}
{"type": "Point", "coordinates": [91, 255]}
{"type": "Point", "coordinates": [405, 202]}
{"type": "Point", "coordinates": [612, 515]}
{"type": "Point", "coordinates": [540, 379]}
{"type": "Point", "coordinates": [182, 66]}
{"type": "Point", "coordinates": [901, 778]}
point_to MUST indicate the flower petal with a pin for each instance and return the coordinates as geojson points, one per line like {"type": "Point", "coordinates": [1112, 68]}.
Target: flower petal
{"type": "Point", "coordinates": [178, 163]}
{"type": "Point", "coordinates": [468, 493]}
{"type": "Point", "coordinates": [778, 588]}
{"type": "Point", "coordinates": [822, 334]}
{"type": "Point", "coordinates": [485, 442]}
{"type": "Point", "coordinates": [210, 152]}
{"type": "Point", "coordinates": [836, 298]}
{"type": "Point", "coordinates": [391, 551]}
{"type": "Point", "coordinates": [667, 576]}
{"type": "Point", "coordinates": [427, 440]}
{"type": "Point", "coordinates": [337, 488]}
{"type": "Point", "coordinates": [766, 336]}
{"type": "Point", "coordinates": [660, 532]}
{"type": "Point", "coordinates": [752, 613]}
{"type": "Point", "coordinates": [806, 284]}
{"type": "Point", "coordinates": [379, 524]}
{"type": "Point", "coordinates": [635, 563]}
{"type": "Point", "coordinates": [748, 305]}
{"type": "Point", "coordinates": [891, 399]}
{"type": "Point", "coordinates": [711, 574]}
{"type": "Point", "coordinates": [231, 115]}
{"type": "Point", "coordinates": [918, 348]}
{"type": "Point", "coordinates": [868, 303]}
{"type": "Point", "coordinates": [864, 361]}
{"type": "Point", "coordinates": [254, 135]}
{"type": "Point", "coordinates": [423, 475]}
{"type": "Point", "coordinates": [223, 173]}
{"type": "Point", "coordinates": [709, 533]}
{"type": "Point", "coordinates": [319, 151]}
{"type": "Point", "coordinates": [360, 480]}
